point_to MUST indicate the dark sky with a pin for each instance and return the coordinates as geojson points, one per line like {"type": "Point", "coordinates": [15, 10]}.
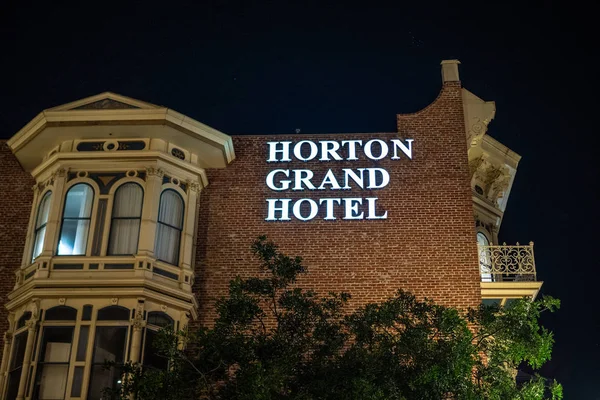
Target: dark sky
{"type": "Point", "coordinates": [350, 67]}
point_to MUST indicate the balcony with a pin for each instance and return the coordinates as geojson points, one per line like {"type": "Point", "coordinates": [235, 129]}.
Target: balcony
{"type": "Point", "coordinates": [507, 263]}
{"type": "Point", "coordinates": [507, 272]}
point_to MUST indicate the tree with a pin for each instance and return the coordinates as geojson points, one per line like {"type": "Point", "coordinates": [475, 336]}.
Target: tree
{"type": "Point", "coordinates": [273, 340]}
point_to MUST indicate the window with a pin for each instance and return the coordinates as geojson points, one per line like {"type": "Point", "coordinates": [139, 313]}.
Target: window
{"type": "Point", "coordinates": [169, 227]}
{"type": "Point", "coordinates": [151, 358]}
{"type": "Point", "coordinates": [16, 365]}
{"type": "Point", "coordinates": [76, 220]}
{"type": "Point", "coordinates": [53, 365]}
{"type": "Point", "coordinates": [61, 313]}
{"type": "Point", "coordinates": [126, 217]}
{"type": "Point", "coordinates": [40, 226]}
{"type": "Point", "coordinates": [113, 313]}
{"type": "Point", "coordinates": [485, 266]}
{"type": "Point", "coordinates": [109, 345]}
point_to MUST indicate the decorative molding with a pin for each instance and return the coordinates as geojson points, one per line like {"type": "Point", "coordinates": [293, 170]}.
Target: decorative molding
{"type": "Point", "coordinates": [62, 301]}
{"type": "Point", "coordinates": [105, 104]}
{"type": "Point", "coordinates": [114, 301]}
{"type": "Point", "coordinates": [194, 186]}
{"type": "Point", "coordinates": [155, 172]}
{"type": "Point", "coordinates": [138, 320]}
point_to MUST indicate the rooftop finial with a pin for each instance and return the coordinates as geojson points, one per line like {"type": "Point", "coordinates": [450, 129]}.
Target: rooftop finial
{"type": "Point", "coordinates": [450, 71]}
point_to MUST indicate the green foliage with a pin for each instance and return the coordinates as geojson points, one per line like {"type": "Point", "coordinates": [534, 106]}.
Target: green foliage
{"type": "Point", "coordinates": [273, 340]}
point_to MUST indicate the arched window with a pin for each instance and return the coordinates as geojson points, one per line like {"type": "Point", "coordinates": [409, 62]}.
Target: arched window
{"type": "Point", "coordinates": [40, 225]}
{"type": "Point", "coordinates": [485, 266]}
{"type": "Point", "coordinates": [126, 217]}
{"type": "Point", "coordinates": [114, 313]}
{"type": "Point", "coordinates": [169, 227]}
{"type": "Point", "coordinates": [76, 220]}
{"type": "Point", "coordinates": [61, 313]}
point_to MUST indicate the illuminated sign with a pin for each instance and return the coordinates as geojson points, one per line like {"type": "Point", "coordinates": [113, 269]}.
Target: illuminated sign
{"type": "Point", "coordinates": [306, 209]}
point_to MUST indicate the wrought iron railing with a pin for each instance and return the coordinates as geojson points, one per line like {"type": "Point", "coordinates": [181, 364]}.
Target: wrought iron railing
{"type": "Point", "coordinates": [507, 263]}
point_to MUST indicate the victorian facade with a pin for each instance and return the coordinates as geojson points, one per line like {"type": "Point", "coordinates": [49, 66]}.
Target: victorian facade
{"type": "Point", "coordinates": [139, 216]}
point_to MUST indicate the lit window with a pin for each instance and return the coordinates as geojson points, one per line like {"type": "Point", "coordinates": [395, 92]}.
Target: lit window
{"type": "Point", "coordinates": [40, 225]}
{"type": "Point", "coordinates": [485, 266]}
{"type": "Point", "coordinates": [76, 220]}
{"type": "Point", "coordinates": [126, 217]}
{"type": "Point", "coordinates": [169, 227]}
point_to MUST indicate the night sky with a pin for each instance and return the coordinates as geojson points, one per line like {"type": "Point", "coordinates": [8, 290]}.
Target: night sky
{"type": "Point", "coordinates": [327, 67]}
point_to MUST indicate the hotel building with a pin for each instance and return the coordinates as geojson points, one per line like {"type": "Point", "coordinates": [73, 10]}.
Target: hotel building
{"type": "Point", "coordinates": [118, 217]}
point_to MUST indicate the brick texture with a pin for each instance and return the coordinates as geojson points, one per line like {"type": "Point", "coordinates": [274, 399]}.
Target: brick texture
{"type": "Point", "coordinates": [427, 245]}
{"type": "Point", "coordinates": [17, 196]}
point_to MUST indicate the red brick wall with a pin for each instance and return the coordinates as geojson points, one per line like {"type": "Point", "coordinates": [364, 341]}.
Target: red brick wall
{"type": "Point", "coordinates": [17, 195]}
{"type": "Point", "coordinates": [427, 245]}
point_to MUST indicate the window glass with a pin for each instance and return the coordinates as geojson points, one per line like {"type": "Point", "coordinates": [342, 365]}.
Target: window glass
{"type": "Point", "coordinates": [21, 322]}
{"type": "Point", "coordinates": [159, 319]}
{"type": "Point", "coordinates": [113, 313]}
{"type": "Point", "coordinates": [61, 313]}
{"type": "Point", "coordinates": [84, 333]}
{"type": "Point", "coordinates": [485, 266]}
{"type": "Point", "coordinates": [76, 220]}
{"type": "Point", "coordinates": [126, 216]}
{"type": "Point", "coordinates": [108, 346]}
{"type": "Point", "coordinates": [87, 312]}
{"type": "Point", "coordinates": [169, 227]}
{"type": "Point", "coordinates": [53, 365]}
{"type": "Point", "coordinates": [77, 382]}
{"type": "Point", "coordinates": [16, 365]}
{"type": "Point", "coordinates": [151, 356]}
{"type": "Point", "coordinates": [40, 225]}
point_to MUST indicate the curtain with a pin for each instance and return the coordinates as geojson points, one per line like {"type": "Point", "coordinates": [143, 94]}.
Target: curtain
{"type": "Point", "coordinates": [126, 216]}
{"type": "Point", "coordinates": [76, 220]}
{"type": "Point", "coordinates": [169, 227]}
{"type": "Point", "coordinates": [40, 225]}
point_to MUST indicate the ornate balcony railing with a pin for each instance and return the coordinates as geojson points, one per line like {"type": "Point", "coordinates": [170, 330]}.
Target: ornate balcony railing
{"type": "Point", "coordinates": [507, 263]}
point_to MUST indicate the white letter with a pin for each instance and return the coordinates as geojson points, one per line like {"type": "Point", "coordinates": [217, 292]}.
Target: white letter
{"type": "Point", "coordinates": [299, 180]}
{"type": "Point", "coordinates": [385, 178]}
{"type": "Point", "coordinates": [371, 201]}
{"type": "Point", "coordinates": [330, 180]}
{"type": "Point", "coordinates": [352, 208]}
{"type": "Point", "coordinates": [359, 180]}
{"type": "Point", "coordinates": [314, 209]}
{"type": "Point", "coordinates": [285, 184]}
{"type": "Point", "coordinates": [284, 209]}
{"type": "Point", "coordinates": [352, 148]}
{"type": "Point", "coordinates": [329, 147]}
{"type": "Point", "coordinates": [329, 207]}
{"type": "Point", "coordinates": [298, 150]}
{"type": "Point", "coordinates": [285, 151]}
{"type": "Point", "coordinates": [384, 149]}
{"type": "Point", "coordinates": [405, 149]}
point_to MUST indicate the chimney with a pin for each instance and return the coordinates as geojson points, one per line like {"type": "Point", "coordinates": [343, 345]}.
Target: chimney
{"type": "Point", "coordinates": [450, 71]}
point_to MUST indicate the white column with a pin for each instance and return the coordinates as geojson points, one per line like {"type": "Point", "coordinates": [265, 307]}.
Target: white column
{"type": "Point", "coordinates": [53, 225]}
{"type": "Point", "coordinates": [190, 227]}
{"type": "Point", "coordinates": [150, 211]}
{"type": "Point", "coordinates": [5, 354]}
